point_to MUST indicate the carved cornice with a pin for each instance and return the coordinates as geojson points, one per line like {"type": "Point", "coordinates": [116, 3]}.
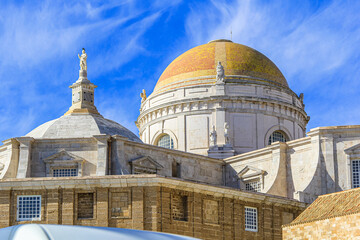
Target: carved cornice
{"type": "Point", "coordinates": [227, 103]}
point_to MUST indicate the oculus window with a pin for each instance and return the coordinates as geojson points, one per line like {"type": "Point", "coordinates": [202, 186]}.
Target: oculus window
{"type": "Point", "coordinates": [29, 208]}
{"type": "Point", "coordinates": [277, 136]}
{"type": "Point", "coordinates": [166, 141]}
{"type": "Point", "coordinates": [251, 221]}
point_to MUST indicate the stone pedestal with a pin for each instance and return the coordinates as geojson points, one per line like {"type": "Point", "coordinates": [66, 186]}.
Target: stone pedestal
{"type": "Point", "coordinates": [221, 151]}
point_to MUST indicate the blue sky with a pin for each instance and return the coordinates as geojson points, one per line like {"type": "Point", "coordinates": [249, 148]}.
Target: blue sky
{"type": "Point", "coordinates": [129, 43]}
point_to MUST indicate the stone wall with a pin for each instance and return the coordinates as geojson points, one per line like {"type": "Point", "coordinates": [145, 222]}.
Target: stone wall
{"type": "Point", "coordinates": [344, 227]}
{"type": "Point", "coordinates": [148, 202]}
{"type": "Point", "coordinates": [304, 168]}
{"type": "Point", "coordinates": [192, 167]}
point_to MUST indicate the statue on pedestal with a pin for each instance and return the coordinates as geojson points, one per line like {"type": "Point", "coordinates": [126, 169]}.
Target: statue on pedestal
{"type": "Point", "coordinates": [220, 73]}
{"type": "Point", "coordinates": [226, 133]}
{"type": "Point", "coordinates": [143, 96]}
{"type": "Point", "coordinates": [213, 137]}
{"type": "Point", "coordinates": [83, 57]}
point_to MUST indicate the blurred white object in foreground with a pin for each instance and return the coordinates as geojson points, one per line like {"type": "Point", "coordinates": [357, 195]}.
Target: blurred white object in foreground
{"type": "Point", "coordinates": [57, 232]}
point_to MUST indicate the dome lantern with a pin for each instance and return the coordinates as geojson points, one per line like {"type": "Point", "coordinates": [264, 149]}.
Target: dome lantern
{"type": "Point", "coordinates": [83, 91]}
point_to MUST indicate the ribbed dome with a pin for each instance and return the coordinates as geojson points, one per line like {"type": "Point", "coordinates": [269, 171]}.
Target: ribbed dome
{"type": "Point", "coordinates": [81, 126]}
{"type": "Point", "coordinates": [199, 63]}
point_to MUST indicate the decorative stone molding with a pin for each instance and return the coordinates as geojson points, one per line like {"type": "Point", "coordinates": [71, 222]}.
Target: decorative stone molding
{"type": "Point", "coordinates": [1, 167]}
{"type": "Point", "coordinates": [249, 173]}
{"type": "Point", "coordinates": [283, 129]}
{"type": "Point", "coordinates": [237, 104]}
{"type": "Point", "coordinates": [162, 132]}
{"type": "Point", "coordinates": [63, 159]}
{"type": "Point", "coordinates": [352, 153]}
{"type": "Point", "coordinates": [144, 164]}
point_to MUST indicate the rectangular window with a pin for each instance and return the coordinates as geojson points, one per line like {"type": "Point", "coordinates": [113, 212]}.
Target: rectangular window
{"type": "Point", "coordinates": [29, 208]}
{"type": "Point", "coordinates": [251, 221]}
{"type": "Point", "coordinates": [254, 186]}
{"type": "Point", "coordinates": [85, 205]}
{"type": "Point", "coordinates": [65, 172]}
{"type": "Point", "coordinates": [355, 164]}
{"type": "Point", "coordinates": [176, 168]}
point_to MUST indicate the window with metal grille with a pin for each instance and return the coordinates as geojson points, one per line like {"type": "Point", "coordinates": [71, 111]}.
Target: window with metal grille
{"type": "Point", "coordinates": [276, 136]}
{"type": "Point", "coordinates": [166, 142]}
{"type": "Point", "coordinates": [254, 186]}
{"type": "Point", "coordinates": [29, 208]}
{"type": "Point", "coordinates": [251, 220]}
{"type": "Point", "coordinates": [65, 172]}
{"type": "Point", "coordinates": [355, 164]}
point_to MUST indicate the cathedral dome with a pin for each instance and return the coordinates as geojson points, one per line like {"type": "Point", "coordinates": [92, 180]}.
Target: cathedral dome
{"type": "Point", "coordinates": [197, 66]}
{"type": "Point", "coordinates": [81, 126]}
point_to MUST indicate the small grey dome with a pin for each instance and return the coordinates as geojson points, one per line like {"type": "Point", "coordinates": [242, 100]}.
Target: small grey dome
{"type": "Point", "coordinates": [81, 126]}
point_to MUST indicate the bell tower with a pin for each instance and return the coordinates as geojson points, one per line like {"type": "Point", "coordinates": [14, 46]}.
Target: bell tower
{"type": "Point", "coordinates": [83, 91]}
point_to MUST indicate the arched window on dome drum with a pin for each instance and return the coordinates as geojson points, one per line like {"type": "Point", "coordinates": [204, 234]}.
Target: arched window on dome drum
{"type": "Point", "coordinates": [166, 141]}
{"type": "Point", "coordinates": [277, 136]}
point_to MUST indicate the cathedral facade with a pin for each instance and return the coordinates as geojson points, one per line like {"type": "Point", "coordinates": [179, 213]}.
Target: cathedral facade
{"type": "Point", "coordinates": [222, 153]}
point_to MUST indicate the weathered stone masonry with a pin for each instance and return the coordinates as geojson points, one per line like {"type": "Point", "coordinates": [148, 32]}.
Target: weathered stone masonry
{"type": "Point", "coordinates": [148, 202]}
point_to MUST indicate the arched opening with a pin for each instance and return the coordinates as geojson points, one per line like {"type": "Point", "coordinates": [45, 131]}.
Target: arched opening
{"type": "Point", "coordinates": [165, 141]}
{"type": "Point", "coordinates": [277, 136]}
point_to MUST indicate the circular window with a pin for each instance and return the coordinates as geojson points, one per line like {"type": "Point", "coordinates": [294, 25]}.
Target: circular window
{"type": "Point", "coordinates": [166, 141]}
{"type": "Point", "coordinates": [277, 136]}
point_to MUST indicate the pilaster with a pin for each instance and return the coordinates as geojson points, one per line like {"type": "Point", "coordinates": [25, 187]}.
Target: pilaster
{"type": "Point", "coordinates": [24, 167]}
{"type": "Point", "coordinates": [119, 165]}
{"type": "Point", "coordinates": [102, 154]}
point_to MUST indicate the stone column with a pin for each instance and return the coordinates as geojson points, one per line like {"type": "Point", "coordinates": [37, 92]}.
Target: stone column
{"type": "Point", "coordinates": [24, 167]}
{"type": "Point", "coordinates": [102, 154]}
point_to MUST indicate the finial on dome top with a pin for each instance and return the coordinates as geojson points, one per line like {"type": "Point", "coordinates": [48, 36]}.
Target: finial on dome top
{"type": "Point", "coordinates": [220, 40]}
{"type": "Point", "coordinates": [83, 91]}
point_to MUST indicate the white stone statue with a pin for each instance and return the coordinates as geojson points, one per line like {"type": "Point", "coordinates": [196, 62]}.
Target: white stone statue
{"type": "Point", "coordinates": [213, 136]}
{"type": "Point", "coordinates": [143, 96]}
{"type": "Point", "coordinates": [226, 133]}
{"type": "Point", "coordinates": [83, 57]}
{"type": "Point", "coordinates": [301, 97]}
{"type": "Point", "coordinates": [220, 73]}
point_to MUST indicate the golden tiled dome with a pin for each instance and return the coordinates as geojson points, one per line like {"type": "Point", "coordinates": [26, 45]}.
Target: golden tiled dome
{"type": "Point", "coordinates": [198, 66]}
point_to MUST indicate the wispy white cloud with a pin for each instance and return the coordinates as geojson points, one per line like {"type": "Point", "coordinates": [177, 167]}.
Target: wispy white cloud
{"type": "Point", "coordinates": [39, 45]}
{"type": "Point", "coordinates": [315, 46]}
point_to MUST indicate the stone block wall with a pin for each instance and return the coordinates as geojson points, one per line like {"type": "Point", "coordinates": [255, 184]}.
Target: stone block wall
{"type": "Point", "coordinates": [148, 203]}
{"type": "Point", "coordinates": [344, 227]}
